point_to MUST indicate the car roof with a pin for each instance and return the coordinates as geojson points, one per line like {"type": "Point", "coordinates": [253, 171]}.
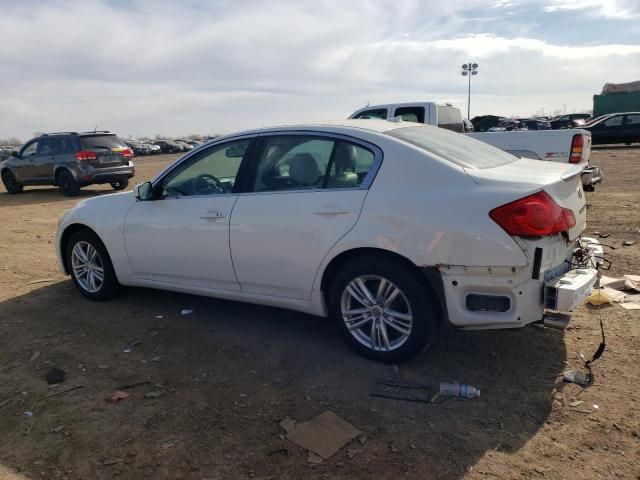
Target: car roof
{"type": "Point", "coordinates": [371, 125]}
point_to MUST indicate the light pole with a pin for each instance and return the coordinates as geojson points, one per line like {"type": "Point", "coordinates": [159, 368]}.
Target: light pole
{"type": "Point", "coordinates": [469, 70]}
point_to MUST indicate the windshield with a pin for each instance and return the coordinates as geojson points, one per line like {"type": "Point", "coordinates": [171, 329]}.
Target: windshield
{"type": "Point", "coordinates": [454, 147]}
{"type": "Point", "coordinates": [101, 142]}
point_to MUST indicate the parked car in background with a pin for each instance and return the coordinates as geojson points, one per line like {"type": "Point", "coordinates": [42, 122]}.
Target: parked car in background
{"type": "Point", "coordinates": [138, 148]}
{"type": "Point", "coordinates": [185, 146]}
{"type": "Point", "coordinates": [71, 161]}
{"type": "Point", "coordinates": [153, 148]}
{"type": "Point", "coordinates": [468, 126]}
{"type": "Point", "coordinates": [167, 146]}
{"type": "Point", "coordinates": [615, 128]}
{"type": "Point", "coordinates": [430, 113]}
{"type": "Point", "coordinates": [4, 153]}
{"type": "Point", "coordinates": [570, 120]}
{"type": "Point", "coordinates": [343, 212]}
{"type": "Point", "coordinates": [534, 124]}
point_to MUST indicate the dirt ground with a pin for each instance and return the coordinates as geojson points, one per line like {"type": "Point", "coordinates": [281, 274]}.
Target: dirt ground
{"type": "Point", "coordinates": [230, 372]}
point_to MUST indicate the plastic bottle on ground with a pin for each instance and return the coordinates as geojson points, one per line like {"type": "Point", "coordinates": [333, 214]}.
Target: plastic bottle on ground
{"type": "Point", "coordinates": [460, 390]}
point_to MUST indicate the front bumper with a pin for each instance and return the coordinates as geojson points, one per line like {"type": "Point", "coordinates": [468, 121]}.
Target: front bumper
{"type": "Point", "coordinates": [558, 277]}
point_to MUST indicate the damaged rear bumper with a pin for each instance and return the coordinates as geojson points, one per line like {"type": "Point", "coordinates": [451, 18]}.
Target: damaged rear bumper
{"type": "Point", "coordinates": [558, 277]}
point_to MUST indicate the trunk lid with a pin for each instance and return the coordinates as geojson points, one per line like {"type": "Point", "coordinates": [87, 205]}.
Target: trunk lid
{"type": "Point", "coordinates": [560, 180]}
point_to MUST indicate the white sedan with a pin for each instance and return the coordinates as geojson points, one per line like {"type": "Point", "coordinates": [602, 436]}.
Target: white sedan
{"type": "Point", "coordinates": [390, 228]}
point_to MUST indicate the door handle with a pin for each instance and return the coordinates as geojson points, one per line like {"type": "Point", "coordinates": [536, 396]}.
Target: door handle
{"type": "Point", "coordinates": [213, 214]}
{"type": "Point", "coordinates": [331, 211]}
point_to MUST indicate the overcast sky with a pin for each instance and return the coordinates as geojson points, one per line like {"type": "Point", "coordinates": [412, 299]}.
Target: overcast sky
{"type": "Point", "coordinates": [156, 67]}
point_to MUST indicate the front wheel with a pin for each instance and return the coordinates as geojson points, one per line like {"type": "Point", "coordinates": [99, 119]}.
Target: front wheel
{"type": "Point", "coordinates": [10, 183]}
{"type": "Point", "coordinates": [383, 309]}
{"type": "Point", "coordinates": [120, 184]}
{"type": "Point", "coordinates": [90, 266]}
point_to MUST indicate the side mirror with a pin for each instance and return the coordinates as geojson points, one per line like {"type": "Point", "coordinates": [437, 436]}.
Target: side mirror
{"type": "Point", "coordinates": [144, 191]}
{"type": "Point", "coordinates": [15, 153]}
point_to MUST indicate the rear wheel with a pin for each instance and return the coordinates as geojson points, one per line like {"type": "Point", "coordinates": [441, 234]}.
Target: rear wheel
{"type": "Point", "coordinates": [90, 266]}
{"type": "Point", "coordinates": [383, 309]}
{"type": "Point", "coordinates": [11, 184]}
{"type": "Point", "coordinates": [67, 183]}
{"type": "Point", "coordinates": [120, 184]}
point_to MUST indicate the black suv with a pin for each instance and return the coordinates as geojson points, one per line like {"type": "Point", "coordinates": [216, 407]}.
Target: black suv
{"type": "Point", "coordinates": [69, 160]}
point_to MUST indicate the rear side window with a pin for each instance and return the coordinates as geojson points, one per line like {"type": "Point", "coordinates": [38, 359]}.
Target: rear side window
{"type": "Point", "coordinates": [613, 121]}
{"type": "Point", "coordinates": [450, 118]}
{"type": "Point", "coordinates": [459, 149]}
{"type": "Point", "coordinates": [101, 142]}
{"type": "Point", "coordinates": [57, 145]}
{"type": "Point", "coordinates": [411, 114]}
{"type": "Point", "coordinates": [378, 113]}
{"type": "Point", "coordinates": [300, 162]}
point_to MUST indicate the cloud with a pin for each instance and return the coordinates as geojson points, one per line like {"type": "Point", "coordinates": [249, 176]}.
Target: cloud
{"type": "Point", "coordinates": [145, 67]}
{"type": "Point", "coordinates": [617, 9]}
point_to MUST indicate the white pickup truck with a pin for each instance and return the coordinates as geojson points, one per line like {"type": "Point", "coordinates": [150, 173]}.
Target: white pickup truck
{"type": "Point", "coordinates": [565, 146]}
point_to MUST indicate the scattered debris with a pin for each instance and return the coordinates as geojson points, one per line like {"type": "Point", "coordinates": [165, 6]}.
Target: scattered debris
{"type": "Point", "coordinates": [28, 413]}
{"type": "Point", "coordinates": [157, 358]}
{"type": "Point", "coordinates": [571, 376]}
{"type": "Point", "coordinates": [5, 402]}
{"type": "Point", "coordinates": [113, 461]}
{"type": "Point", "coordinates": [103, 367]}
{"type": "Point", "coordinates": [283, 451]}
{"type": "Point", "coordinates": [399, 390]}
{"type": "Point", "coordinates": [58, 429]}
{"type": "Point", "coordinates": [55, 375]}
{"type": "Point", "coordinates": [595, 407]}
{"type": "Point", "coordinates": [314, 459]}
{"type": "Point", "coordinates": [154, 333]}
{"type": "Point", "coordinates": [323, 436]}
{"type": "Point", "coordinates": [35, 356]}
{"type": "Point", "coordinates": [186, 311]}
{"type": "Point", "coordinates": [605, 235]}
{"type": "Point", "coordinates": [66, 390]}
{"type": "Point", "coordinates": [129, 386]}
{"type": "Point", "coordinates": [42, 280]}
{"type": "Point", "coordinates": [576, 403]}
{"type": "Point", "coordinates": [459, 390]}
{"type": "Point", "coordinates": [615, 283]}
{"type": "Point", "coordinates": [352, 452]}
{"type": "Point", "coordinates": [362, 439]}
{"type": "Point", "coordinates": [628, 243]}
{"type": "Point", "coordinates": [154, 394]}
{"type": "Point", "coordinates": [604, 295]}
{"type": "Point", "coordinates": [117, 396]}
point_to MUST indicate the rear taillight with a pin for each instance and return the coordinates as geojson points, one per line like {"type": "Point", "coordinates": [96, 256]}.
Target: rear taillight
{"type": "Point", "coordinates": [577, 145]}
{"type": "Point", "coordinates": [126, 153]}
{"type": "Point", "coordinates": [533, 216]}
{"type": "Point", "coordinates": [86, 155]}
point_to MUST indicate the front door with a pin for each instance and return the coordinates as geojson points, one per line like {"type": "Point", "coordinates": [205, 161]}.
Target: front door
{"type": "Point", "coordinates": [307, 192]}
{"type": "Point", "coordinates": [25, 168]}
{"type": "Point", "coordinates": [182, 237]}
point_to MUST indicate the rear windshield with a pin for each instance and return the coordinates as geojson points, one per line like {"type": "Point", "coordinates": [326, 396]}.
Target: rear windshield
{"type": "Point", "coordinates": [101, 142]}
{"type": "Point", "coordinates": [454, 147]}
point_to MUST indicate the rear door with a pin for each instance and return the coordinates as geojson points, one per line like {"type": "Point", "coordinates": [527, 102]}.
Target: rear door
{"type": "Point", "coordinates": [305, 192]}
{"type": "Point", "coordinates": [610, 130]}
{"type": "Point", "coordinates": [53, 150]}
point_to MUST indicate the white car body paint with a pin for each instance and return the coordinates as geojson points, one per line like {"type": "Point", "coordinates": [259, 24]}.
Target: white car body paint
{"type": "Point", "coordinates": [273, 248]}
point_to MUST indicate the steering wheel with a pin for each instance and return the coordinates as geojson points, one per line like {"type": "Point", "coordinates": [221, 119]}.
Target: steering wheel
{"type": "Point", "coordinates": [206, 183]}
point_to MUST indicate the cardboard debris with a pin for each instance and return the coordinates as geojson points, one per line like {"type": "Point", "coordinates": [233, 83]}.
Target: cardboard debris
{"type": "Point", "coordinates": [324, 435]}
{"type": "Point", "coordinates": [615, 283]}
{"type": "Point", "coordinates": [631, 305]}
{"type": "Point", "coordinates": [632, 282]}
{"type": "Point", "coordinates": [604, 295]}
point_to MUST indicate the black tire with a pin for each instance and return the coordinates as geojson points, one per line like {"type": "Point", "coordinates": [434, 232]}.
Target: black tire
{"type": "Point", "coordinates": [67, 184]}
{"type": "Point", "coordinates": [110, 286]}
{"type": "Point", "coordinates": [120, 184]}
{"type": "Point", "coordinates": [414, 293]}
{"type": "Point", "coordinates": [11, 184]}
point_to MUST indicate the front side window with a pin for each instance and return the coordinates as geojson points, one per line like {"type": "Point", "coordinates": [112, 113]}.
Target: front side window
{"type": "Point", "coordinates": [300, 162]}
{"type": "Point", "coordinates": [211, 172]}
{"type": "Point", "coordinates": [377, 113]}
{"type": "Point", "coordinates": [613, 121]}
{"type": "Point", "coordinates": [29, 150]}
{"type": "Point", "coordinates": [633, 119]}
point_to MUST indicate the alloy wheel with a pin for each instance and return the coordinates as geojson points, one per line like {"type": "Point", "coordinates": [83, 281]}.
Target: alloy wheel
{"type": "Point", "coordinates": [87, 266]}
{"type": "Point", "coordinates": [376, 313]}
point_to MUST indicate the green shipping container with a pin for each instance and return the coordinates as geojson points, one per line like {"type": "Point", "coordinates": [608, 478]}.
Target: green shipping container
{"type": "Point", "coordinates": [615, 103]}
